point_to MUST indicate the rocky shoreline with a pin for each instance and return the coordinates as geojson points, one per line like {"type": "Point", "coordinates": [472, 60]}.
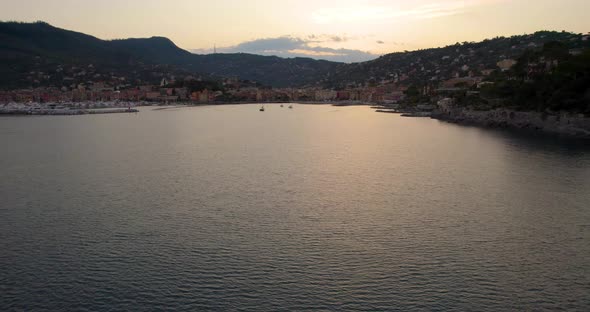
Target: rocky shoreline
{"type": "Point", "coordinates": [559, 123]}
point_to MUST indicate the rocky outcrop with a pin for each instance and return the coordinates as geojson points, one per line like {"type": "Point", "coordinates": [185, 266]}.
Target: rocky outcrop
{"type": "Point", "coordinates": [558, 123]}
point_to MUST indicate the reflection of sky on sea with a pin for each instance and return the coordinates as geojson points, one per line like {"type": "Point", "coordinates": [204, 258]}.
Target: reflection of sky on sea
{"type": "Point", "coordinates": [215, 207]}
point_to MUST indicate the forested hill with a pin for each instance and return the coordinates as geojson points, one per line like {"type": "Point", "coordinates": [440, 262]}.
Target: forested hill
{"type": "Point", "coordinates": [40, 47]}
{"type": "Point", "coordinates": [38, 54]}
{"type": "Point", "coordinates": [439, 64]}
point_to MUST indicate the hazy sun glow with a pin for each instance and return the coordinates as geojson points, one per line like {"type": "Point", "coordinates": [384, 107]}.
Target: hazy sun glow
{"type": "Point", "coordinates": [317, 28]}
{"type": "Point", "coordinates": [369, 13]}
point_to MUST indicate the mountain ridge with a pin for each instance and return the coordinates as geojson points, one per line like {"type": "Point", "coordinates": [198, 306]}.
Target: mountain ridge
{"type": "Point", "coordinates": [41, 48]}
{"type": "Point", "coordinates": [22, 44]}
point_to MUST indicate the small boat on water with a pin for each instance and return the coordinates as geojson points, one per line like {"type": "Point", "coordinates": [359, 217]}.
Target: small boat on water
{"type": "Point", "coordinates": [281, 105]}
{"type": "Point", "coordinates": [262, 109]}
{"type": "Point", "coordinates": [291, 106]}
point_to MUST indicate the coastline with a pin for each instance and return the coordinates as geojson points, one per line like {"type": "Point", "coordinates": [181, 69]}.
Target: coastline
{"type": "Point", "coordinates": [64, 112]}
{"type": "Point", "coordinates": [563, 124]}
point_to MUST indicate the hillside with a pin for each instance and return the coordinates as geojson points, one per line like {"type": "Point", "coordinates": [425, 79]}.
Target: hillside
{"type": "Point", "coordinates": [269, 70]}
{"type": "Point", "coordinates": [37, 54]}
{"type": "Point", "coordinates": [439, 64]}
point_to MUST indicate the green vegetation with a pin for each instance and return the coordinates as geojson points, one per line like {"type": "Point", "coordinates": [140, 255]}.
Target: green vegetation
{"type": "Point", "coordinates": [40, 47]}
{"type": "Point", "coordinates": [196, 85]}
{"type": "Point", "coordinates": [432, 66]}
{"type": "Point", "coordinates": [550, 79]}
{"type": "Point", "coordinates": [415, 96]}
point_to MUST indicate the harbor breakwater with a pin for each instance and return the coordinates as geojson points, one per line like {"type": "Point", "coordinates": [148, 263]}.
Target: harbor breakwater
{"type": "Point", "coordinates": [64, 112]}
{"type": "Point", "coordinates": [576, 125]}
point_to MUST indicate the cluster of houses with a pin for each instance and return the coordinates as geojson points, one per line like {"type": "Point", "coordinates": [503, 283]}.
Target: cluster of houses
{"type": "Point", "coordinates": [102, 92]}
{"type": "Point", "coordinates": [386, 92]}
{"type": "Point", "coordinates": [459, 74]}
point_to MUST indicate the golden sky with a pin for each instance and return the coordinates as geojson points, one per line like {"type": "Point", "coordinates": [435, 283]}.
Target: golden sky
{"type": "Point", "coordinates": [317, 27]}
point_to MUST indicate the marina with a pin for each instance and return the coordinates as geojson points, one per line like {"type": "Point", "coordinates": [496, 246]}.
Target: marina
{"type": "Point", "coordinates": [68, 108]}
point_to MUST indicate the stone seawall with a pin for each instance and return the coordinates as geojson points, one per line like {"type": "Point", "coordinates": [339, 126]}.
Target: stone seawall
{"type": "Point", "coordinates": [562, 123]}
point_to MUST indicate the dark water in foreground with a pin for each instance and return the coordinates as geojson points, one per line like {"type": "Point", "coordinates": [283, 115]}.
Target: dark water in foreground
{"type": "Point", "coordinates": [327, 208]}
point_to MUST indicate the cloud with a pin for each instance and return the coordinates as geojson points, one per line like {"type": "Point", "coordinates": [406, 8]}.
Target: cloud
{"type": "Point", "coordinates": [383, 12]}
{"type": "Point", "coordinates": [288, 46]}
{"type": "Point", "coordinates": [328, 38]}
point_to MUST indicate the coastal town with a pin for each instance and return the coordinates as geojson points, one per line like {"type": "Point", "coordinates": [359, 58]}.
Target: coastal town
{"type": "Point", "coordinates": [95, 90]}
{"type": "Point", "coordinates": [233, 91]}
{"type": "Point", "coordinates": [493, 82]}
{"type": "Point", "coordinates": [394, 93]}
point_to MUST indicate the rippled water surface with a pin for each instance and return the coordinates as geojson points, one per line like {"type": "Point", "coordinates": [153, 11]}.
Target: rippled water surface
{"type": "Point", "coordinates": [315, 208]}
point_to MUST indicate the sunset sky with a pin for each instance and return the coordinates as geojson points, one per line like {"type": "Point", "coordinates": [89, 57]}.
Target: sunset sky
{"type": "Point", "coordinates": [340, 30]}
